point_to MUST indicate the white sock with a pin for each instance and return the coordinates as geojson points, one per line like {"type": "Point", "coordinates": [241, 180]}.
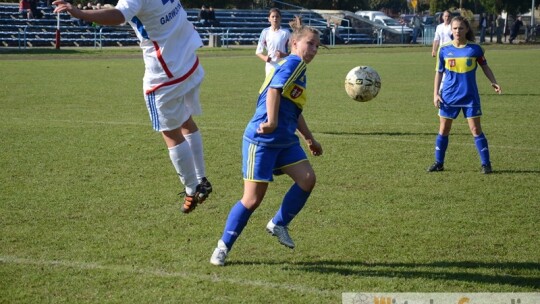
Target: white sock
{"type": "Point", "coordinates": [195, 143]}
{"type": "Point", "coordinates": [182, 160]}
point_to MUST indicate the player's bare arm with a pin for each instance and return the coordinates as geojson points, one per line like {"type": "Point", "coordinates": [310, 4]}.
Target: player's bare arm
{"type": "Point", "coordinates": [489, 74]}
{"type": "Point", "coordinates": [102, 16]}
{"type": "Point", "coordinates": [313, 145]}
{"type": "Point", "coordinates": [436, 88]}
{"type": "Point", "coordinates": [273, 98]}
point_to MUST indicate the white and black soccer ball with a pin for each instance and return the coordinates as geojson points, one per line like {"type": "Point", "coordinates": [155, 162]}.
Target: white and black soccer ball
{"type": "Point", "coordinates": [362, 83]}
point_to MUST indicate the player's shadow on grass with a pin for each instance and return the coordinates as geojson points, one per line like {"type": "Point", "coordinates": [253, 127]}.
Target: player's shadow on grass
{"type": "Point", "coordinates": [391, 133]}
{"type": "Point", "coordinates": [516, 171]}
{"type": "Point", "coordinates": [511, 273]}
{"type": "Point", "coordinates": [513, 94]}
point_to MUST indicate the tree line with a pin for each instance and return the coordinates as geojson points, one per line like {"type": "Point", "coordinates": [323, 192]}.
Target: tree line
{"type": "Point", "coordinates": [513, 7]}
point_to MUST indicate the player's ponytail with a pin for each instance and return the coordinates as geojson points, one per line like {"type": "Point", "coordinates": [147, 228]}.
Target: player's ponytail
{"type": "Point", "coordinates": [299, 29]}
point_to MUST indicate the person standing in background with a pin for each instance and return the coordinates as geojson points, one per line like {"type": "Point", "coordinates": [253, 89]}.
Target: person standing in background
{"type": "Point", "coordinates": [483, 26]}
{"type": "Point", "coordinates": [514, 30]}
{"type": "Point", "coordinates": [499, 28]}
{"type": "Point", "coordinates": [443, 33]}
{"type": "Point", "coordinates": [416, 25]}
{"type": "Point", "coordinates": [274, 40]}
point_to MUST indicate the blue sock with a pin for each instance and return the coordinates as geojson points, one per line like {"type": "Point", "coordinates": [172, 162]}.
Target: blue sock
{"type": "Point", "coordinates": [293, 202]}
{"type": "Point", "coordinates": [441, 143]}
{"type": "Point", "coordinates": [236, 221]}
{"type": "Point", "coordinates": [482, 147]}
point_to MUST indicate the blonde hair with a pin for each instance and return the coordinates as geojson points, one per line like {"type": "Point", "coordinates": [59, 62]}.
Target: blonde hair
{"type": "Point", "coordinates": [299, 29]}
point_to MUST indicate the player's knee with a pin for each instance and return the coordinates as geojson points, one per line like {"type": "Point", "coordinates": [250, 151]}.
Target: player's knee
{"type": "Point", "coordinates": [308, 182]}
{"type": "Point", "coordinates": [476, 130]}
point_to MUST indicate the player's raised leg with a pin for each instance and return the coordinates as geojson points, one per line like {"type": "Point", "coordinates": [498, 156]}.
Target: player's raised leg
{"type": "Point", "coordinates": [294, 200]}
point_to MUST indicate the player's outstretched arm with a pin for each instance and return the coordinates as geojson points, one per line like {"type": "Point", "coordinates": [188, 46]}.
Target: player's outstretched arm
{"type": "Point", "coordinates": [101, 16]}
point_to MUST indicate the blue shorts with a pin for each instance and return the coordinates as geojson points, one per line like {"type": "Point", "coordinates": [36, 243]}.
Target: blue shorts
{"type": "Point", "coordinates": [452, 112]}
{"type": "Point", "coordinates": [260, 163]}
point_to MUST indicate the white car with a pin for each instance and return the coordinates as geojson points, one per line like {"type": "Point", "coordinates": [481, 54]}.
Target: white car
{"type": "Point", "coordinates": [393, 24]}
{"type": "Point", "coordinates": [370, 15]}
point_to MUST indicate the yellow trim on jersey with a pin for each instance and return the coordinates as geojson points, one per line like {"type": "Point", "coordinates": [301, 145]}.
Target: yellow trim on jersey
{"type": "Point", "coordinates": [297, 94]}
{"type": "Point", "coordinates": [292, 90]}
{"type": "Point", "coordinates": [460, 65]}
{"type": "Point", "coordinates": [267, 79]}
{"type": "Point", "coordinates": [299, 69]}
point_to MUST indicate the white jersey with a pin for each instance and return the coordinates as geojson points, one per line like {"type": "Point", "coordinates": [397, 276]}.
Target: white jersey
{"type": "Point", "coordinates": [168, 40]}
{"type": "Point", "coordinates": [443, 33]}
{"type": "Point", "coordinates": [273, 41]}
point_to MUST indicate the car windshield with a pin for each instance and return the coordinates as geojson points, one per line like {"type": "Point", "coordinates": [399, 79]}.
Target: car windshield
{"type": "Point", "coordinates": [391, 22]}
{"type": "Point", "coordinates": [428, 20]}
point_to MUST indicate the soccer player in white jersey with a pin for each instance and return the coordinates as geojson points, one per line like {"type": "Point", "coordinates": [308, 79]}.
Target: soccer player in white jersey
{"type": "Point", "coordinates": [271, 146]}
{"type": "Point", "coordinates": [443, 33]}
{"type": "Point", "coordinates": [274, 40]}
{"type": "Point", "coordinates": [171, 80]}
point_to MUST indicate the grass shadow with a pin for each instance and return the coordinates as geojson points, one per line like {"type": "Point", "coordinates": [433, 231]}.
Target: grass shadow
{"type": "Point", "coordinates": [466, 271]}
{"type": "Point", "coordinates": [434, 134]}
{"type": "Point", "coordinates": [516, 172]}
{"type": "Point", "coordinates": [504, 273]}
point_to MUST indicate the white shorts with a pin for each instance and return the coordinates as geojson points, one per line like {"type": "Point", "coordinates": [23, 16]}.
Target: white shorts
{"type": "Point", "coordinates": [169, 107]}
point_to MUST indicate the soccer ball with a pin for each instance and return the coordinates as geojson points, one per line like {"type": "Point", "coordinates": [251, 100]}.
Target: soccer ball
{"type": "Point", "coordinates": [362, 83]}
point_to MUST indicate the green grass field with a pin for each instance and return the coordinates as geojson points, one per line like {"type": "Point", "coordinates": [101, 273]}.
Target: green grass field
{"type": "Point", "coordinates": [89, 209]}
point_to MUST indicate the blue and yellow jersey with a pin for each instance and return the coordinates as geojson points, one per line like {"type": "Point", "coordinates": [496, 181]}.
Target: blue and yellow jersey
{"type": "Point", "coordinates": [459, 64]}
{"type": "Point", "coordinates": [290, 78]}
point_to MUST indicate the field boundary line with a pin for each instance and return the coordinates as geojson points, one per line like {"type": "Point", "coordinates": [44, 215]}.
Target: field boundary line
{"type": "Point", "coordinates": [163, 274]}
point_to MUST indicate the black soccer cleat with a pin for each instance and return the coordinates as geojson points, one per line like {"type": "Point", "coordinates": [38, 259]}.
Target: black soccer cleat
{"type": "Point", "coordinates": [206, 185]}
{"type": "Point", "coordinates": [436, 167]}
{"type": "Point", "coordinates": [486, 169]}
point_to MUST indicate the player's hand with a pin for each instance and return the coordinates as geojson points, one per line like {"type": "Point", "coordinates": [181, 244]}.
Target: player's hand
{"type": "Point", "coordinates": [62, 6]}
{"type": "Point", "coordinates": [437, 101]}
{"type": "Point", "coordinates": [280, 54]}
{"type": "Point", "coordinates": [266, 128]}
{"type": "Point", "coordinates": [315, 147]}
{"type": "Point", "coordinates": [497, 88]}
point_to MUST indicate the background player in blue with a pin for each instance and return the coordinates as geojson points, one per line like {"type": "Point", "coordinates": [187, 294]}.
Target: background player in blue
{"type": "Point", "coordinates": [458, 61]}
{"type": "Point", "coordinates": [270, 146]}
{"type": "Point", "coordinates": [171, 80]}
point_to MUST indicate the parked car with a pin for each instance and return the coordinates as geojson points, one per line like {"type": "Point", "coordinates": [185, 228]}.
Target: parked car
{"type": "Point", "coordinates": [425, 20]}
{"type": "Point", "coordinates": [393, 24]}
{"type": "Point", "coordinates": [370, 15]}
{"type": "Point", "coordinates": [428, 21]}
{"type": "Point", "coordinates": [406, 18]}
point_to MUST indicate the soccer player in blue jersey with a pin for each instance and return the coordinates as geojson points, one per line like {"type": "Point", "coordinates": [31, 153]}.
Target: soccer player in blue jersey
{"type": "Point", "coordinates": [458, 61]}
{"type": "Point", "coordinates": [270, 146]}
{"type": "Point", "coordinates": [171, 80]}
